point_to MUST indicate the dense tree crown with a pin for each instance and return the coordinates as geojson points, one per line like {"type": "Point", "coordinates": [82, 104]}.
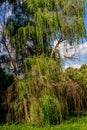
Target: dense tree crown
{"type": "Point", "coordinates": [40, 20]}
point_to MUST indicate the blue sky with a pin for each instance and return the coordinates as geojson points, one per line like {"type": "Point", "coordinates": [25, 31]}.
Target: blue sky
{"type": "Point", "coordinates": [85, 19]}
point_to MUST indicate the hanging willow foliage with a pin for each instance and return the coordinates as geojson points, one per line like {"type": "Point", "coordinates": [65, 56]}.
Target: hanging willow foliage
{"type": "Point", "coordinates": [44, 18]}
{"type": "Point", "coordinates": [45, 95]}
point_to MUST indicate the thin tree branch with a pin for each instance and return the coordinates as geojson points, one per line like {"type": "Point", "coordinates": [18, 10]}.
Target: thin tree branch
{"type": "Point", "coordinates": [57, 44]}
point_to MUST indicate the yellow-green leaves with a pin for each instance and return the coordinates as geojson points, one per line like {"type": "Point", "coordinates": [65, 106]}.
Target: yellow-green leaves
{"type": "Point", "coordinates": [64, 15]}
{"type": "Point", "coordinates": [45, 18]}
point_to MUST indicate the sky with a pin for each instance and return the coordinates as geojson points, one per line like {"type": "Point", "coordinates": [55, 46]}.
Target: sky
{"type": "Point", "coordinates": [73, 56]}
{"type": "Point", "coordinates": [78, 53]}
{"type": "Point", "coordinates": [5, 12]}
{"type": "Point", "coordinates": [85, 17]}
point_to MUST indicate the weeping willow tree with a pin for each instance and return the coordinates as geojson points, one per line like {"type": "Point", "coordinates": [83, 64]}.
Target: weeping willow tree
{"type": "Point", "coordinates": [38, 95]}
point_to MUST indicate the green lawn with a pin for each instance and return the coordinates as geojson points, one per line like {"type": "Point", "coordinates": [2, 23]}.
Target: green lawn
{"type": "Point", "coordinates": [72, 124]}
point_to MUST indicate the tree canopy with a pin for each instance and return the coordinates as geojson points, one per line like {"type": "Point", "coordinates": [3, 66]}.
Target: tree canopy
{"type": "Point", "coordinates": [40, 20]}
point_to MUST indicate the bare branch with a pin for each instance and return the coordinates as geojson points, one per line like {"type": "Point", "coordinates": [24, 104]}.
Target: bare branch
{"type": "Point", "coordinates": [54, 49]}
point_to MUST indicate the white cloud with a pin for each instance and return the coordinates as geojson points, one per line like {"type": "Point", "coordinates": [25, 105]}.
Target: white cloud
{"type": "Point", "coordinates": [73, 56]}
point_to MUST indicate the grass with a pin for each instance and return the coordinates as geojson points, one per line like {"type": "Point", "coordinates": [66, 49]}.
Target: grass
{"type": "Point", "coordinates": [72, 124]}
